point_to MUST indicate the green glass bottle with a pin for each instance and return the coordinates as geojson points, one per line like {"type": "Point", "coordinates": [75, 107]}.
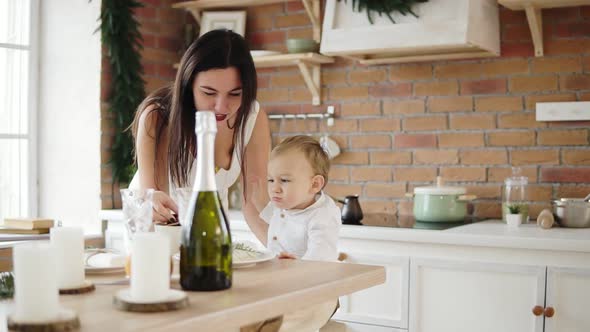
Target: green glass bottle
{"type": "Point", "coordinates": [205, 251]}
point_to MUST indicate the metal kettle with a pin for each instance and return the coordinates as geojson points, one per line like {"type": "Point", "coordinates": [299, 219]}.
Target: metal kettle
{"type": "Point", "coordinates": [352, 214]}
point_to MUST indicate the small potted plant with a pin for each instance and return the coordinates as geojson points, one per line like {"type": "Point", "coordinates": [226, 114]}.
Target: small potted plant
{"type": "Point", "coordinates": [514, 218]}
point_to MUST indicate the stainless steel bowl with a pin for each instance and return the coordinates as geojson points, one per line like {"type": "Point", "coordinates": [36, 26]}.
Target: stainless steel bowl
{"type": "Point", "coordinates": [572, 212]}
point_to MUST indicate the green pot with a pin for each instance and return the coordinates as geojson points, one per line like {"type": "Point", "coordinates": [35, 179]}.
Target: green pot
{"type": "Point", "coordinates": [440, 204]}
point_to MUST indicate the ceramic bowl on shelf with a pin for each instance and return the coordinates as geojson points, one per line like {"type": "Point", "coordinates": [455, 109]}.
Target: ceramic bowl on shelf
{"type": "Point", "coordinates": [302, 45]}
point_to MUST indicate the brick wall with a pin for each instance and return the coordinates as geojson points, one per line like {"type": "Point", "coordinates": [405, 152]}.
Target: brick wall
{"type": "Point", "coordinates": [399, 126]}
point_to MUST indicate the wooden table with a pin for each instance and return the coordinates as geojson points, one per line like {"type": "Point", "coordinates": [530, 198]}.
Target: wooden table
{"type": "Point", "coordinates": [263, 291]}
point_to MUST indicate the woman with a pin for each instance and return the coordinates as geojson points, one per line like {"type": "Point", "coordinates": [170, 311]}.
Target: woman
{"type": "Point", "coordinates": [216, 73]}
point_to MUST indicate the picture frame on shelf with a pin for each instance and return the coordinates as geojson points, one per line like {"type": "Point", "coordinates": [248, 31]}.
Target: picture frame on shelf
{"type": "Point", "coordinates": [231, 20]}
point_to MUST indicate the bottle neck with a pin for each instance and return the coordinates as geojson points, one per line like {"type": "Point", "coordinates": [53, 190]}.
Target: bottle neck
{"type": "Point", "coordinates": [205, 179]}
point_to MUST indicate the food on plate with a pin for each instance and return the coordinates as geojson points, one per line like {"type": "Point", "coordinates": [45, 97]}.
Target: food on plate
{"type": "Point", "coordinates": [243, 251]}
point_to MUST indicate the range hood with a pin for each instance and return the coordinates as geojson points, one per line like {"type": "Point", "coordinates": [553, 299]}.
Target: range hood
{"type": "Point", "coordinates": [445, 29]}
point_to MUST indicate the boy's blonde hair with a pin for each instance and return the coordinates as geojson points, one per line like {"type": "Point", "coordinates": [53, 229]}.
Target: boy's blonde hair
{"type": "Point", "coordinates": [313, 151]}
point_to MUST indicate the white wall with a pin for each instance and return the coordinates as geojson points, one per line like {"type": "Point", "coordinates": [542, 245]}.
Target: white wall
{"type": "Point", "coordinates": [69, 111]}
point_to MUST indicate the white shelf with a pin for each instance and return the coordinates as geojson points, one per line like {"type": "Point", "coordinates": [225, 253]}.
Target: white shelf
{"type": "Point", "coordinates": [312, 7]}
{"type": "Point", "coordinates": [564, 111]}
{"type": "Point", "coordinates": [533, 14]}
{"type": "Point", "coordinates": [522, 4]}
{"type": "Point", "coordinates": [421, 56]}
{"type": "Point", "coordinates": [309, 63]}
{"type": "Point", "coordinates": [291, 59]}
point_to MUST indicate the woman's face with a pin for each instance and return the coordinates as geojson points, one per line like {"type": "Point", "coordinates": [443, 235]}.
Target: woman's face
{"type": "Point", "coordinates": [219, 90]}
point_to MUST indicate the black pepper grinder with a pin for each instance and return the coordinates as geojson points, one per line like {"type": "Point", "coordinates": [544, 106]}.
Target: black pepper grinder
{"type": "Point", "coordinates": [351, 211]}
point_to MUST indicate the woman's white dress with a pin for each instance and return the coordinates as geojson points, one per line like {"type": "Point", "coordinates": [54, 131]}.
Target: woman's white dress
{"type": "Point", "coordinates": [224, 177]}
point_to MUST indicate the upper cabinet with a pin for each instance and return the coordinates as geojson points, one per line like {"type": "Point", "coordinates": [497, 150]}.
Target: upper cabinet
{"type": "Point", "coordinates": [444, 29]}
{"type": "Point", "coordinates": [533, 15]}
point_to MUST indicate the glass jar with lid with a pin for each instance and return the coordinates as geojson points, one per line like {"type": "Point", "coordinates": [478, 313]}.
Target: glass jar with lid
{"type": "Point", "coordinates": [515, 193]}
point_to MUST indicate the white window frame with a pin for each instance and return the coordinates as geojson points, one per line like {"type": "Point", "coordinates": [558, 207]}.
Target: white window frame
{"type": "Point", "coordinates": [32, 97]}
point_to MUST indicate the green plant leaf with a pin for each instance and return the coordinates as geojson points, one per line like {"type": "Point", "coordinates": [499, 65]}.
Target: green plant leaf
{"type": "Point", "coordinates": [514, 208]}
{"type": "Point", "coordinates": [6, 285]}
{"type": "Point", "coordinates": [123, 42]}
{"type": "Point", "coordinates": [386, 7]}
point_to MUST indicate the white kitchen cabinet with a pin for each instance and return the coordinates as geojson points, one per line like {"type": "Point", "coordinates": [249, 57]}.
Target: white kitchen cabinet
{"type": "Point", "coordinates": [357, 327]}
{"type": "Point", "coordinates": [459, 296]}
{"type": "Point", "coordinates": [568, 296]}
{"type": "Point", "coordinates": [385, 304]}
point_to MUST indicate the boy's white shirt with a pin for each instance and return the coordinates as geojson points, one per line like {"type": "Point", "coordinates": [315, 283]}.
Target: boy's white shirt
{"type": "Point", "coordinates": [311, 233]}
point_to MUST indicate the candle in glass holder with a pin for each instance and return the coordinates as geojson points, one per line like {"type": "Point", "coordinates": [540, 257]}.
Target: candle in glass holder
{"type": "Point", "coordinates": [36, 295]}
{"type": "Point", "coordinates": [69, 249]}
{"type": "Point", "coordinates": [150, 267]}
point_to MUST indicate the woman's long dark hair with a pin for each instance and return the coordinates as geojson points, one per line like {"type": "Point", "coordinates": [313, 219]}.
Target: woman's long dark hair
{"type": "Point", "coordinates": [217, 49]}
{"type": "Point", "coordinates": [160, 101]}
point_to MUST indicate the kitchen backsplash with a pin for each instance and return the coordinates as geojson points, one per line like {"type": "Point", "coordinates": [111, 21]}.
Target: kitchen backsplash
{"type": "Point", "coordinates": [399, 126]}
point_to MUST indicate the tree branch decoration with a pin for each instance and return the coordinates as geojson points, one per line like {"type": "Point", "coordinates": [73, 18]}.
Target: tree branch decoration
{"type": "Point", "coordinates": [385, 7]}
{"type": "Point", "coordinates": [121, 37]}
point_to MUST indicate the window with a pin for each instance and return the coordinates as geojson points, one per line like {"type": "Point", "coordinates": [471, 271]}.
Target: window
{"type": "Point", "coordinates": [18, 19]}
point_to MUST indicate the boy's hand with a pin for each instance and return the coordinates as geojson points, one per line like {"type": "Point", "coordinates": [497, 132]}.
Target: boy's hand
{"type": "Point", "coordinates": [286, 255]}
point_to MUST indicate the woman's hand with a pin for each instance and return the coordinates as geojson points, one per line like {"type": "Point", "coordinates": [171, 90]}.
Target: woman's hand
{"type": "Point", "coordinates": [259, 194]}
{"type": "Point", "coordinates": [254, 181]}
{"type": "Point", "coordinates": [164, 207]}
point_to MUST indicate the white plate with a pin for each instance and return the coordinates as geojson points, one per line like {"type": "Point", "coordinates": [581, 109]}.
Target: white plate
{"type": "Point", "coordinates": [92, 269]}
{"type": "Point", "coordinates": [263, 256]}
{"type": "Point", "coordinates": [104, 270]}
{"type": "Point", "coordinates": [256, 53]}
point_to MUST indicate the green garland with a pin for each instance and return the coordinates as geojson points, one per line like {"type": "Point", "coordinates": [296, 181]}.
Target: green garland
{"type": "Point", "coordinates": [385, 7]}
{"type": "Point", "coordinates": [121, 37]}
{"type": "Point", "coordinates": [6, 285]}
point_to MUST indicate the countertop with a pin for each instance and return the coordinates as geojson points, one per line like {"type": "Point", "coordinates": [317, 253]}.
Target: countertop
{"type": "Point", "coordinates": [488, 233]}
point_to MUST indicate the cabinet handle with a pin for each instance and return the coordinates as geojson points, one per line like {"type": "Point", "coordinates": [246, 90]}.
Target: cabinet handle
{"type": "Point", "coordinates": [537, 310]}
{"type": "Point", "coordinates": [549, 312]}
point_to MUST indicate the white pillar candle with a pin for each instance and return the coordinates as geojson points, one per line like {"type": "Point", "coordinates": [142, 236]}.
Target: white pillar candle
{"type": "Point", "coordinates": [150, 267]}
{"type": "Point", "coordinates": [36, 295]}
{"type": "Point", "coordinates": [69, 250]}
